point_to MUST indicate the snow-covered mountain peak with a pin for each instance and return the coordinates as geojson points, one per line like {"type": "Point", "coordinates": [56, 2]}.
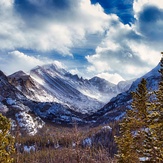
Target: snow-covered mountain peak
{"type": "Point", "coordinates": [54, 68]}
{"type": "Point", "coordinates": [19, 74]}
{"type": "Point", "coordinates": [97, 80]}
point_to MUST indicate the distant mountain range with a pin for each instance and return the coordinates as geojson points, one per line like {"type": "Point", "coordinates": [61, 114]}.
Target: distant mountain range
{"type": "Point", "coordinates": [50, 93]}
{"type": "Point", "coordinates": [116, 108]}
{"type": "Point", "coordinates": [52, 84]}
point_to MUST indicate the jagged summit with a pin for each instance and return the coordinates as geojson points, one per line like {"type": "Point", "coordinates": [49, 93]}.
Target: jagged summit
{"type": "Point", "coordinates": [18, 73]}
{"type": "Point", "coordinates": [51, 83]}
{"type": "Point", "coordinates": [97, 79]}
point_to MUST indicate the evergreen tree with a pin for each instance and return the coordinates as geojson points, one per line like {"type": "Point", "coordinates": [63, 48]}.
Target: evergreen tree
{"type": "Point", "coordinates": [159, 118]}
{"type": "Point", "coordinates": [133, 127]}
{"type": "Point", "coordinates": [154, 136]}
{"type": "Point", "coordinates": [125, 142]}
{"type": "Point", "coordinates": [6, 141]}
{"type": "Point", "coordinates": [141, 131]}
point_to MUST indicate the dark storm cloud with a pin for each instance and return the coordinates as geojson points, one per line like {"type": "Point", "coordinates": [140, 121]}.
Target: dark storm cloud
{"type": "Point", "coordinates": [29, 5]}
{"type": "Point", "coordinates": [150, 21]}
{"type": "Point", "coordinates": [35, 11]}
{"type": "Point", "coordinates": [150, 14]}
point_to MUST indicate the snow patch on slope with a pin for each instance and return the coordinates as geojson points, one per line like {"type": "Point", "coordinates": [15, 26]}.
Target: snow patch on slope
{"type": "Point", "coordinates": [28, 123]}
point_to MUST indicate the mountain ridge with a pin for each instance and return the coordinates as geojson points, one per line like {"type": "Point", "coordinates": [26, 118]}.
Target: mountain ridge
{"type": "Point", "coordinates": [57, 96]}
{"type": "Point", "coordinates": [116, 108]}
{"type": "Point", "coordinates": [48, 83]}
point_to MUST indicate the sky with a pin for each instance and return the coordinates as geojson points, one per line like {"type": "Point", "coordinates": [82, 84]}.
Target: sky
{"type": "Point", "coordinates": [113, 39]}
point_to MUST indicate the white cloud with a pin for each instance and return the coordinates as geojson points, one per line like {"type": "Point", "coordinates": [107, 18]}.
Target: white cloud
{"type": "Point", "coordinates": [113, 78]}
{"type": "Point", "coordinates": [98, 64]}
{"type": "Point", "coordinates": [15, 61]}
{"type": "Point", "coordinates": [50, 32]}
{"type": "Point", "coordinates": [122, 51]}
{"type": "Point", "coordinates": [138, 5]}
{"type": "Point", "coordinates": [131, 51]}
{"type": "Point", "coordinates": [7, 3]}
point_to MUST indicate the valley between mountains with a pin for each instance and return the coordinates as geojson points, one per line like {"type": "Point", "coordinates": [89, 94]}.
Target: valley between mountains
{"type": "Point", "coordinates": [51, 94]}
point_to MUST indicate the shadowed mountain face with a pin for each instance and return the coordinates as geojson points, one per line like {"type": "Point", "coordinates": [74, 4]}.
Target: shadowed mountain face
{"type": "Point", "coordinates": [7, 90]}
{"type": "Point", "coordinates": [116, 108]}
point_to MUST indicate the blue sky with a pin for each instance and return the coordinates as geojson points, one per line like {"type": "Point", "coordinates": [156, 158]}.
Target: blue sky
{"type": "Point", "coordinates": [113, 39]}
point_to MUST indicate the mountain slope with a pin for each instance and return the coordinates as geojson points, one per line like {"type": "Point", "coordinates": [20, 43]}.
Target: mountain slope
{"type": "Point", "coordinates": [12, 105]}
{"type": "Point", "coordinates": [50, 83]}
{"type": "Point", "coordinates": [26, 115]}
{"type": "Point", "coordinates": [56, 82]}
{"type": "Point", "coordinates": [30, 87]}
{"type": "Point", "coordinates": [53, 94]}
{"type": "Point", "coordinates": [7, 90]}
{"type": "Point", "coordinates": [116, 108]}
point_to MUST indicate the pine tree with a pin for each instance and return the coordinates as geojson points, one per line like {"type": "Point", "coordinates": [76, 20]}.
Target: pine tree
{"type": "Point", "coordinates": [154, 136]}
{"type": "Point", "coordinates": [148, 145]}
{"type": "Point", "coordinates": [159, 117]}
{"type": "Point", "coordinates": [141, 132]}
{"type": "Point", "coordinates": [6, 141]}
{"type": "Point", "coordinates": [125, 142]}
{"type": "Point", "coordinates": [133, 127]}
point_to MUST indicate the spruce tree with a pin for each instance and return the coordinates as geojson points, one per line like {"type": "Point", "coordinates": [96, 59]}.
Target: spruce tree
{"type": "Point", "coordinates": [133, 127]}
{"type": "Point", "coordinates": [159, 118]}
{"type": "Point", "coordinates": [6, 141]}
{"type": "Point", "coordinates": [141, 132]}
{"type": "Point", "coordinates": [154, 135]}
{"type": "Point", "coordinates": [125, 142]}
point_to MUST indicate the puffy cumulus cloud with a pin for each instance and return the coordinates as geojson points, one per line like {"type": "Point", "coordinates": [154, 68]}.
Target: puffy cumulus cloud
{"type": "Point", "coordinates": [113, 78]}
{"type": "Point", "coordinates": [122, 51]}
{"type": "Point", "coordinates": [57, 25]}
{"type": "Point", "coordinates": [131, 50]}
{"type": "Point", "coordinates": [149, 22]}
{"type": "Point", "coordinates": [138, 5]}
{"type": "Point", "coordinates": [16, 61]}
